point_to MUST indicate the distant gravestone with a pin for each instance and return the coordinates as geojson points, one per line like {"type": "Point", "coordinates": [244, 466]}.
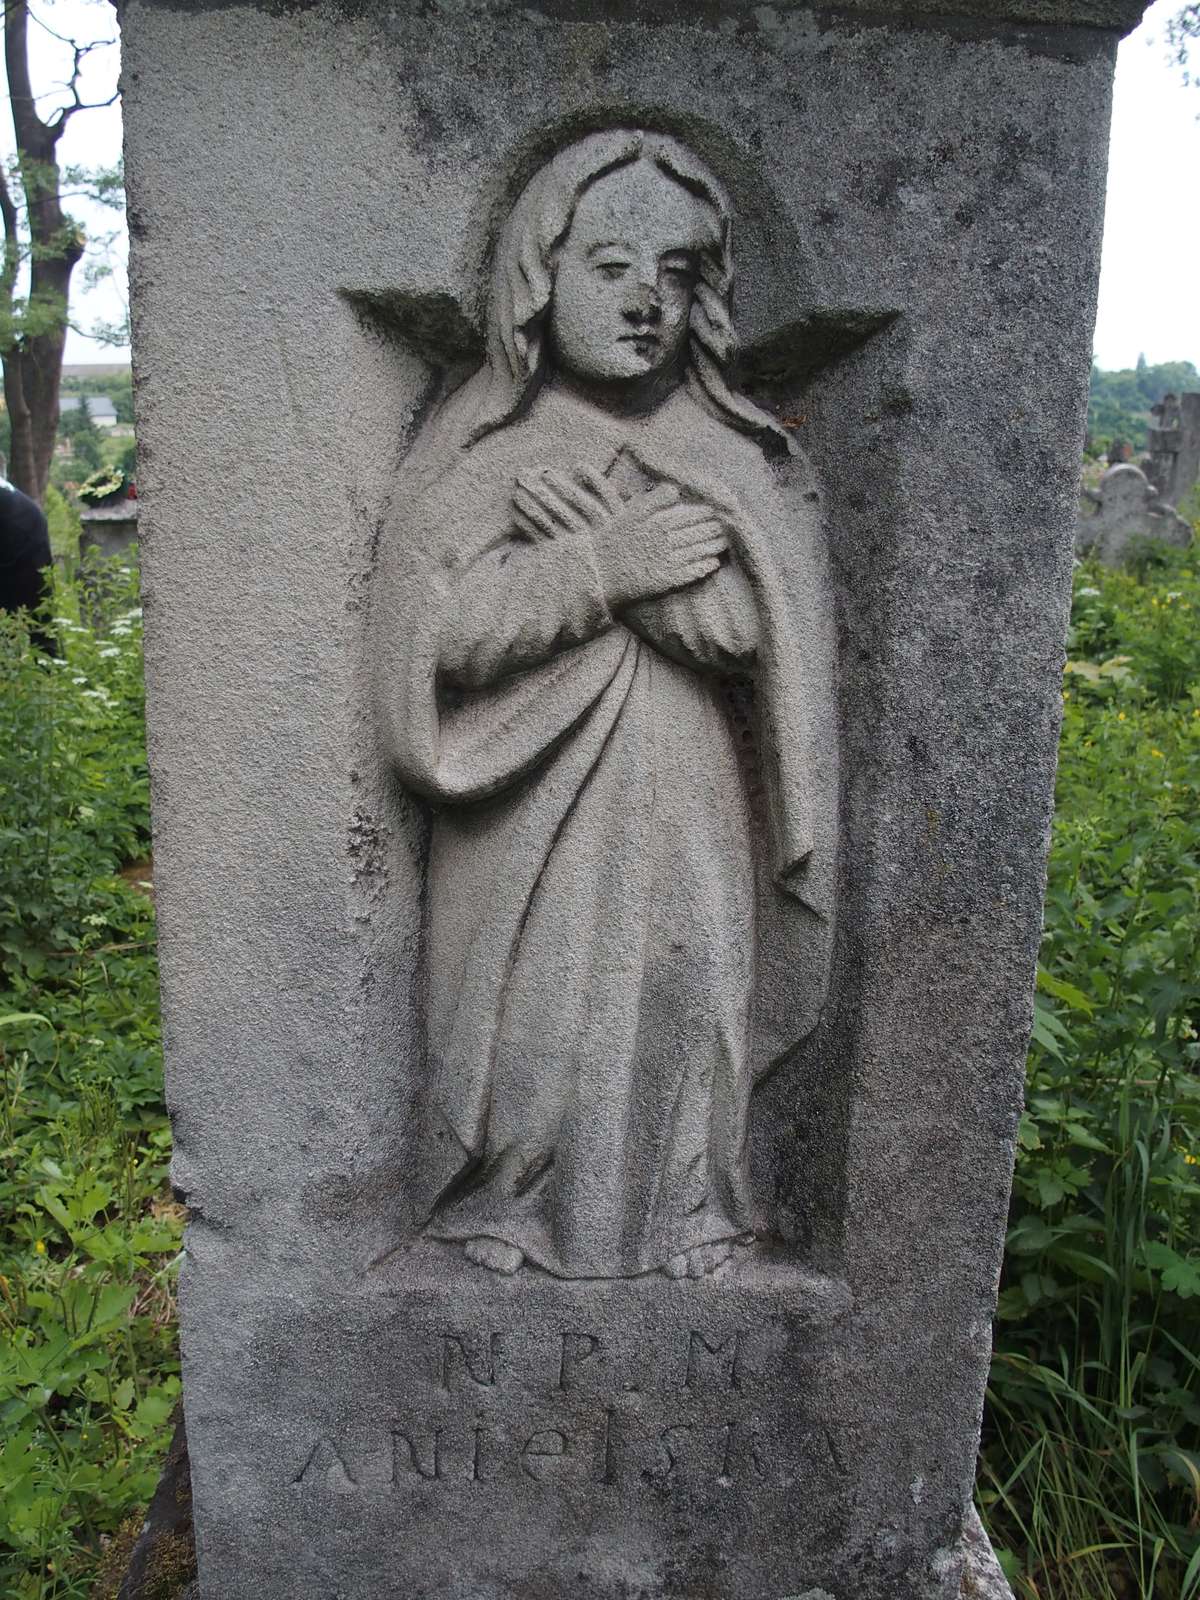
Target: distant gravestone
{"type": "Point", "coordinates": [599, 906]}
{"type": "Point", "coordinates": [1174, 439]}
{"type": "Point", "coordinates": [109, 529]}
{"type": "Point", "coordinates": [1122, 512]}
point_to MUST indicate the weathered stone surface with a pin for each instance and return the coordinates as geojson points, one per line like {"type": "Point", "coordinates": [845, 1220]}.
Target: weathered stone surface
{"type": "Point", "coordinates": [982, 1577]}
{"type": "Point", "coordinates": [109, 530]}
{"type": "Point", "coordinates": [1119, 15]}
{"type": "Point", "coordinates": [916, 264]}
{"type": "Point", "coordinates": [1174, 466]}
{"type": "Point", "coordinates": [1122, 512]}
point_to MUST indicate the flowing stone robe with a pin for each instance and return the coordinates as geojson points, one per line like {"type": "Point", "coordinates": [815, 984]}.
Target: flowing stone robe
{"type": "Point", "coordinates": [631, 862]}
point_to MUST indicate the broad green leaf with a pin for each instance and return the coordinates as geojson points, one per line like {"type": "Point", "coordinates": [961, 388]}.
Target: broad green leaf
{"type": "Point", "coordinates": [1066, 992]}
{"type": "Point", "coordinates": [1179, 1274]}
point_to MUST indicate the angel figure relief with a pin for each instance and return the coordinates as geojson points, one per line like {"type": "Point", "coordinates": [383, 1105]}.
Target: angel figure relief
{"type": "Point", "coordinates": [600, 551]}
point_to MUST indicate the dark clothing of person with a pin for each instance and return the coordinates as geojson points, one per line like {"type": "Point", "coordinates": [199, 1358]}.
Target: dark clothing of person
{"type": "Point", "coordinates": [24, 553]}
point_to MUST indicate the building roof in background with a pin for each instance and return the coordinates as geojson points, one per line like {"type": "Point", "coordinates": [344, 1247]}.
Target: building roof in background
{"type": "Point", "coordinates": [95, 369]}
{"type": "Point", "coordinates": [99, 405]}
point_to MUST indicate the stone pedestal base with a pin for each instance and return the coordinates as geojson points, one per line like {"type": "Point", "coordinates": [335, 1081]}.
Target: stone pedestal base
{"type": "Point", "coordinates": [451, 1433]}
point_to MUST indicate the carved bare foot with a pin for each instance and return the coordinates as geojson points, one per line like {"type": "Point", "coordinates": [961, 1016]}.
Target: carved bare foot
{"type": "Point", "coordinates": [700, 1261]}
{"type": "Point", "coordinates": [495, 1255]}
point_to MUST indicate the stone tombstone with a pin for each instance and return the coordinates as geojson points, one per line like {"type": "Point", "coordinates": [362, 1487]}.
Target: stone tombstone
{"type": "Point", "coordinates": [603, 742]}
{"type": "Point", "coordinates": [110, 529]}
{"type": "Point", "coordinates": [1174, 439]}
{"type": "Point", "coordinates": [1122, 512]}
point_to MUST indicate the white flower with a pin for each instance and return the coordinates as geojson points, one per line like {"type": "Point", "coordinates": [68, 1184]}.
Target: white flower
{"type": "Point", "coordinates": [57, 661]}
{"type": "Point", "coordinates": [131, 616]}
{"type": "Point", "coordinates": [96, 921]}
{"type": "Point", "coordinates": [98, 694]}
{"type": "Point", "coordinates": [1079, 593]}
{"type": "Point", "coordinates": [78, 680]}
{"type": "Point", "coordinates": [121, 630]}
{"type": "Point", "coordinates": [108, 651]}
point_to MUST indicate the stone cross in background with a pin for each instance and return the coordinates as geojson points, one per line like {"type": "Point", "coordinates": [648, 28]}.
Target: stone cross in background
{"type": "Point", "coordinates": [1174, 467]}
{"type": "Point", "coordinates": [603, 743]}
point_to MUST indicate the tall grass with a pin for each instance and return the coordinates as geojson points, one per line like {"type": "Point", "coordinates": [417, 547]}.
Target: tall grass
{"type": "Point", "coordinates": [88, 1231]}
{"type": "Point", "coordinates": [1090, 1472]}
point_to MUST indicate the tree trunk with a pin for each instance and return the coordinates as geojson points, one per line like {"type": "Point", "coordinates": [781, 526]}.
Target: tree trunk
{"type": "Point", "coordinates": [32, 358]}
{"type": "Point", "coordinates": [31, 383]}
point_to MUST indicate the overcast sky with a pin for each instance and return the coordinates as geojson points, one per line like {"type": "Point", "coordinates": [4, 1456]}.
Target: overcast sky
{"type": "Point", "coordinates": [1150, 278]}
{"type": "Point", "coordinates": [1150, 275]}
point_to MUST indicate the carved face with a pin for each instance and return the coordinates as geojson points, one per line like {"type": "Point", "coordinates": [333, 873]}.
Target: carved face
{"type": "Point", "coordinates": [625, 275]}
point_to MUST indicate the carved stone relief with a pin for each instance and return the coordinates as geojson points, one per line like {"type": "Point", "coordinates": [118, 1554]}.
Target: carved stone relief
{"type": "Point", "coordinates": [604, 646]}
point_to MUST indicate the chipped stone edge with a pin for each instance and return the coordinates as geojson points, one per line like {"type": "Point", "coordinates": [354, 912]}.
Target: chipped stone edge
{"type": "Point", "coordinates": [983, 1578]}
{"type": "Point", "coordinates": [1120, 16]}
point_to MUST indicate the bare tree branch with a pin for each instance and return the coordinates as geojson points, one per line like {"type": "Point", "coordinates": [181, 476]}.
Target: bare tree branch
{"type": "Point", "coordinates": [62, 38]}
{"type": "Point", "coordinates": [82, 105]}
{"type": "Point", "coordinates": [81, 53]}
{"type": "Point", "coordinates": [1183, 30]}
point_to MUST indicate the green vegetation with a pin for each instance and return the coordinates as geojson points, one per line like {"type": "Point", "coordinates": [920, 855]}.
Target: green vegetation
{"type": "Point", "coordinates": [1119, 402]}
{"type": "Point", "coordinates": [88, 1233]}
{"type": "Point", "coordinates": [1090, 1472]}
{"type": "Point", "coordinates": [1183, 29]}
{"type": "Point", "coordinates": [63, 523]}
{"type": "Point", "coordinates": [92, 450]}
{"type": "Point", "coordinates": [91, 447]}
{"type": "Point", "coordinates": [79, 427]}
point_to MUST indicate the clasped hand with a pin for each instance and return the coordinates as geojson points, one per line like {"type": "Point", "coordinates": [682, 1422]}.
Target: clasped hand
{"type": "Point", "coordinates": [644, 546]}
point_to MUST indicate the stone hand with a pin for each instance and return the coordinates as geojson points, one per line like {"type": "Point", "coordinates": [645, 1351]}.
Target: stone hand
{"type": "Point", "coordinates": [644, 546]}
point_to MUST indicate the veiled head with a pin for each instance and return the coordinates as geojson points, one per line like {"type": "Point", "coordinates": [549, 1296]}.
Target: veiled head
{"type": "Point", "coordinates": [625, 276]}
{"type": "Point", "coordinates": [669, 218]}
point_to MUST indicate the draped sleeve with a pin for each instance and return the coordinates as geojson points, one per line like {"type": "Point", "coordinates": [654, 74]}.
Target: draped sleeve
{"type": "Point", "coordinates": [516, 605]}
{"type": "Point", "coordinates": [711, 625]}
{"type": "Point", "coordinates": [487, 649]}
